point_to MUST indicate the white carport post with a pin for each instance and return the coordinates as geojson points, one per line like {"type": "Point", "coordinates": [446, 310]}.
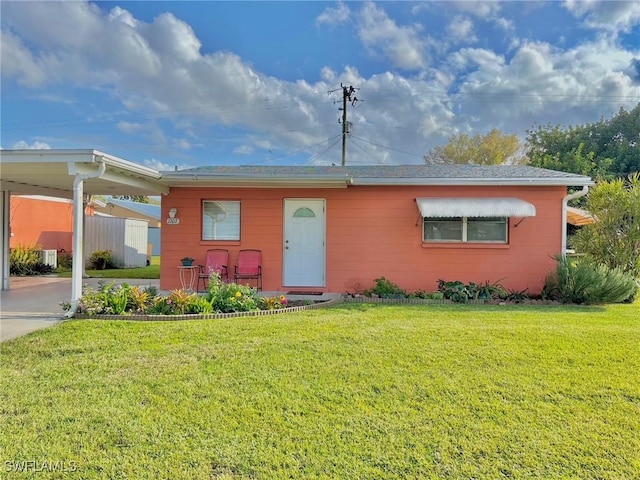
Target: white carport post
{"type": "Point", "coordinates": [5, 199]}
{"type": "Point", "coordinates": [78, 235]}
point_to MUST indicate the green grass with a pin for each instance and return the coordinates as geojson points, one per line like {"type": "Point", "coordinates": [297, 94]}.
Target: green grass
{"type": "Point", "coordinates": [355, 391]}
{"type": "Point", "coordinates": [151, 271]}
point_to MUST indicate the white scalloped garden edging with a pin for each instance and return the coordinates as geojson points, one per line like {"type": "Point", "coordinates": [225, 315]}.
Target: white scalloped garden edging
{"type": "Point", "coordinates": [207, 316]}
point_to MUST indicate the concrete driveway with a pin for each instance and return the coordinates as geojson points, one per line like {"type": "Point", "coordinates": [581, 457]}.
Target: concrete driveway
{"type": "Point", "coordinates": [33, 303]}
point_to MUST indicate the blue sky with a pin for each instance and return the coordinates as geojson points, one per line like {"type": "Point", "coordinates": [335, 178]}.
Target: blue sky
{"type": "Point", "coordinates": [187, 84]}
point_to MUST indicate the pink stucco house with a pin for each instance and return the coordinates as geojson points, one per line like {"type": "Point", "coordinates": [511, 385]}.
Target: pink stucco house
{"type": "Point", "coordinates": [336, 229]}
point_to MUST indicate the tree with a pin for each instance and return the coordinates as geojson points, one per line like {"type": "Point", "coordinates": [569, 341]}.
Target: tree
{"type": "Point", "coordinates": [614, 239]}
{"type": "Point", "coordinates": [494, 148]}
{"type": "Point", "coordinates": [134, 198]}
{"type": "Point", "coordinates": [605, 149]}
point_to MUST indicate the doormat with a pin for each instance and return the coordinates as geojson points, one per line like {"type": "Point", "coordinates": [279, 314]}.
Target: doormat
{"type": "Point", "coordinates": [302, 292]}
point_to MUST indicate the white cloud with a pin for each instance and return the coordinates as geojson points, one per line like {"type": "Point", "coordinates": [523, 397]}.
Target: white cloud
{"type": "Point", "coordinates": [244, 150]}
{"type": "Point", "coordinates": [182, 144]}
{"type": "Point", "coordinates": [163, 70]}
{"type": "Point", "coordinates": [613, 16]}
{"type": "Point", "coordinates": [564, 86]}
{"type": "Point", "coordinates": [327, 74]}
{"type": "Point", "coordinates": [173, 37]}
{"type": "Point", "coordinates": [460, 30]}
{"type": "Point", "coordinates": [334, 16]}
{"type": "Point", "coordinates": [37, 145]}
{"type": "Point", "coordinates": [18, 61]}
{"type": "Point", "coordinates": [504, 24]}
{"type": "Point", "coordinates": [479, 8]}
{"type": "Point", "coordinates": [402, 45]}
{"type": "Point", "coordinates": [164, 167]}
{"type": "Point", "coordinates": [129, 127]}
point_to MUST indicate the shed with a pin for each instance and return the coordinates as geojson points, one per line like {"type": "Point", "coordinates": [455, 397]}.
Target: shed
{"type": "Point", "coordinates": [126, 238]}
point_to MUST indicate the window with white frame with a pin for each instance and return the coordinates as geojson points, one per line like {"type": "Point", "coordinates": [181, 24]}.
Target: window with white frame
{"type": "Point", "coordinates": [221, 220]}
{"type": "Point", "coordinates": [465, 229]}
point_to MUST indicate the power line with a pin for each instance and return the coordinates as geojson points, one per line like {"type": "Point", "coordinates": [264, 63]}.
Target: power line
{"type": "Point", "coordinates": [296, 151]}
{"type": "Point", "coordinates": [313, 159]}
{"type": "Point", "coordinates": [362, 148]}
{"type": "Point", "coordinates": [388, 148]}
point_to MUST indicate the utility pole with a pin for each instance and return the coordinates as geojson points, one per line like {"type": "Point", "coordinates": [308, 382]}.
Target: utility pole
{"type": "Point", "coordinates": [348, 93]}
{"type": "Point", "coordinates": [345, 127]}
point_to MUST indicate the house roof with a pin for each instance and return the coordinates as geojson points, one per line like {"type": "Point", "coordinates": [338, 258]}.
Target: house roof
{"type": "Point", "coordinates": [579, 217]}
{"type": "Point", "coordinates": [147, 209]}
{"type": "Point", "coordinates": [339, 176]}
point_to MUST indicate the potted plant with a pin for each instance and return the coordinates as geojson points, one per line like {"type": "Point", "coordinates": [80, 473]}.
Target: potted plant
{"type": "Point", "coordinates": [186, 261]}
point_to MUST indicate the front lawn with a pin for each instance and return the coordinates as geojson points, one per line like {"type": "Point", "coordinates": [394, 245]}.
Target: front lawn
{"type": "Point", "coordinates": [150, 271]}
{"type": "Point", "coordinates": [354, 391]}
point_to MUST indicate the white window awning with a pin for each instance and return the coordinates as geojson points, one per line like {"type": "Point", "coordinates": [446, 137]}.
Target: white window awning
{"type": "Point", "coordinates": [475, 207]}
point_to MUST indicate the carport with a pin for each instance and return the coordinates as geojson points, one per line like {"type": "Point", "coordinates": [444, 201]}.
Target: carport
{"type": "Point", "coordinates": [71, 174]}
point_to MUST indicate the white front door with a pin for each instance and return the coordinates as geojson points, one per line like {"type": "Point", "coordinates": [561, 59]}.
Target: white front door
{"type": "Point", "coordinates": [304, 252]}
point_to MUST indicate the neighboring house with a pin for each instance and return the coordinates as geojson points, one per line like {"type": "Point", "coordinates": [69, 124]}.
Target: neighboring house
{"type": "Point", "coordinates": [36, 220]}
{"type": "Point", "coordinates": [336, 229]}
{"type": "Point", "coordinates": [144, 211]}
{"type": "Point", "coordinates": [576, 219]}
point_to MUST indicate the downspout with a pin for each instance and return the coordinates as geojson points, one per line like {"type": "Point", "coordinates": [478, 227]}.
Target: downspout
{"type": "Point", "coordinates": [5, 201]}
{"type": "Point", "coordinates": [78, 235]}
{"type": "Point", "coordinates": [565, 201]}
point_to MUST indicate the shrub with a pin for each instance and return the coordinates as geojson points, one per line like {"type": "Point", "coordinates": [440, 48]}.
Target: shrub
{"type": "Point", "coordinates": [385, 289]}
{"type": "Point", "coordinates": [138, 299]}
{"type": "Point", "coordinates": [584, 281]}
{"type": "Point", "coordinates": [230, 297]}
{"type": "Point", "coordinates": [273, 303]}
{"type": "Point", "coordinates": [95, 302]}
{"type": "Point", "coordinates": [457, 291]}
{"type": "Point", "coordinates": [111, 299]}
{"type": "Point", "coordinates": [487, 291]}
{"type": "Point", "coordinates": [423, 294]}
{"type": "Point", "coordinates": [517, 295]}
{"type": "Point", "coordinates": [25, 260]}
{"type": "Point", "coordinates": [100, 260]}
{"type": "Point", "coordinates": [65, 259]}
{"type": "Point", "coordinates": [199, 304]}
{"type": "Point", "coordinates": [614, 238]}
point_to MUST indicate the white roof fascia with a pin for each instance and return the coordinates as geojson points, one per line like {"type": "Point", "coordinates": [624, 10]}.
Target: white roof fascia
{"type": "Point", "coordinates": [120, 171]}
{"type": "Point", "coordinates": [540, 181]}
{"type": "Point", "coordinates": [131, 167]}
{"type": "Point", "coordinates": [75, 157]}
{"type": "Point", "coordinates": [47, 156]}
{"type": "Point", "coordinates": [250, 181]}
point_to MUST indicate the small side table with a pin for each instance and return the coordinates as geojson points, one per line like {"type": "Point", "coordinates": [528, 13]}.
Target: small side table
{"type": "Point", "coordinates": [188, 276]}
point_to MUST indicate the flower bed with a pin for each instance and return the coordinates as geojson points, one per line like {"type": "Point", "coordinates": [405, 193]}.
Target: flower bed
{"type": "Point", "coordinates": [206, 316]}
{"type": "Point", "coordinates": [223, 300]}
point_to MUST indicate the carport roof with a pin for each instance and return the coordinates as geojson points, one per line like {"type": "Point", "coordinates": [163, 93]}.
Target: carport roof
{"type": "Point", "coordinates": [52, 172]}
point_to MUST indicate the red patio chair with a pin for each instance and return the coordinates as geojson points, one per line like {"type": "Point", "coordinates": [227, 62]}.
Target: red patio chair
{"type": "Point", "coordinates": [249, 266]}
{"type": "Point", "coordinates": [216, 260]}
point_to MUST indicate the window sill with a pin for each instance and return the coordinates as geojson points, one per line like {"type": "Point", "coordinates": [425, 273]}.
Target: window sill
{"type": "Point", "coordinates": [466, 245]}
{"type": "Point", "coordinates": [218, 243]}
